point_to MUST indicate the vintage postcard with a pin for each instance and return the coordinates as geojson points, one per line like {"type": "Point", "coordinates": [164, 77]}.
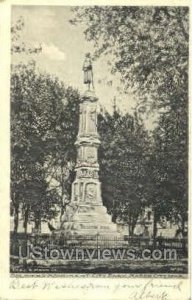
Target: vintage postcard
{"type": "Point", "coordinates": [95, 150]}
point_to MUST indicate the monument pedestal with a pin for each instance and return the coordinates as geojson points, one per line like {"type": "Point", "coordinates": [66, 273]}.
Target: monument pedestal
{"type": "Point", "coordinates": [90, 220]}
{"type": "Point", "coordinates": [86, 215]}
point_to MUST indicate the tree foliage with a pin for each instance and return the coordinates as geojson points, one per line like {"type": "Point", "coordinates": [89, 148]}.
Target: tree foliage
{"type": "Point", "coordinates": [168, 169]}
{"type": "Point", "coordinates": [123, 157]}
{"type": "Point", "coordinates": [18, 46]}
{"type": "Point", "coordinates": [44, 122]}
{"type": "Point", "coordinates": [148, 47]}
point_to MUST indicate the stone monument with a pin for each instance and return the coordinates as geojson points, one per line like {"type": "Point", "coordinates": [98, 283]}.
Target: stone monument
{"type": "Point", "coordinates": [86, 215]}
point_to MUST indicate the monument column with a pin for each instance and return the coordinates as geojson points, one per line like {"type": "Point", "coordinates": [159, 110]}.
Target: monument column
{"type": "Point", "coordinates": [86, 187]}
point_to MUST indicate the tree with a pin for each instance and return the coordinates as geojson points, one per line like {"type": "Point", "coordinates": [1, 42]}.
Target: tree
{"type": "Point", "coordinates": [18, 169]}
{"type": "Point", "coordinates": [44, 123]}
{"type": "Point", "coordinates": [123, 157]}
{"type": "Point", "coordinates": [61, 163]}
{"type": "Point", "coordinates": [148, 47]}
{"type": "Point", "coordinates": [44, 126]}
{"type": "Point", "coordinates": [168, 168]}
{"type": "Point", "coordinates": [18, 46]}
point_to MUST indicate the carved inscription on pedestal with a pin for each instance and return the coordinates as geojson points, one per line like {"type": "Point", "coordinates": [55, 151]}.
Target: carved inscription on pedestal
{"type": "Point", "coordinates": [87, 173]}
{"type": "Point", "coordinates": [90, 192]}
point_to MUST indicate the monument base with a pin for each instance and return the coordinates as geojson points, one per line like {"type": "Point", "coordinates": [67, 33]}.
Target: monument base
{"type": "Point", "coordinates": [90, 224]}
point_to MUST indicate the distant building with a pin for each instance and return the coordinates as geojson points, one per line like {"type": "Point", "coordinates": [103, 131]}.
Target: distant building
{"type": "Point", "coordinates": [145, 223]}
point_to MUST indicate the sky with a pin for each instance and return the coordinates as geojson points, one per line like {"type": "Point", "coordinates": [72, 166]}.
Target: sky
{"type": "Point", "coordinates": [63, 51]}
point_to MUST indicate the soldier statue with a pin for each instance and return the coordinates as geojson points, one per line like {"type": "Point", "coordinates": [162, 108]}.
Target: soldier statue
{"type": "Point", "coordinates": [88, 71]}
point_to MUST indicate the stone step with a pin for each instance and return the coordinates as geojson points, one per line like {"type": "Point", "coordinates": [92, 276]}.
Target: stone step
{"type": "Point", "coordinates": [90, 226]}
{"type": "Point", "coordinates": [100, 209]}
{"type": "Point", "coordinates": [93, 218]}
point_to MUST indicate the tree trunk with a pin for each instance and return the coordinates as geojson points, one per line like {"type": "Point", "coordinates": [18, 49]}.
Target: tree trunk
{"type": "Point", "coordinates": [154, 228]}
{"type": "Point", "coordinates": [16, 218]}
{"type": "Point", "coordinates": [131, 230]}
{"type": "Point", "coordinates": [37, 221]}
{"type": "Point", "coordinates": [183, 226]}
{"type": "Point", "coordinates": [63, 210]}
{"type": "Point", "coordinates": [26, 217]}
{"type": "Point", "coordinates": [61, 214]}
{"type": "Point", "coordinates": [132, 222]}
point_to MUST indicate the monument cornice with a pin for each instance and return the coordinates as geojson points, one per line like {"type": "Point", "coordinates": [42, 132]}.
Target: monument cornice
{"type": "Point", "coordinates": [87, 141]}
{"type": "Point", "coordinates": [89, 96]}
